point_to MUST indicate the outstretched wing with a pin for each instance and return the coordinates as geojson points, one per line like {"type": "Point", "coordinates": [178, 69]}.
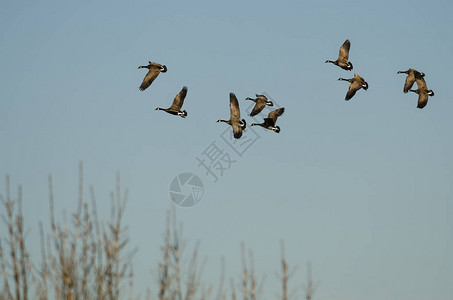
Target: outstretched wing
{"type": "Point", "coordinates": [343, 55]}
{"type": "Point", "coordinates": [273, 115]}
{"type": "Point", "coordinates": [422, 99]}
{"type": "Point", "coordinates": [422, 90]}
{"type": "Point", "coordinates": [410, 79]}
{"type": "Point", "coordinates": [353, 88]}
{"type": "Point", "coordinates": [259, 106]}
{"type": "Point", "coordinates": [234, 109]}
{"type": "Point", "coordinates": [179, 99]}
{"type": "Point", "coordinates": [149, 78]}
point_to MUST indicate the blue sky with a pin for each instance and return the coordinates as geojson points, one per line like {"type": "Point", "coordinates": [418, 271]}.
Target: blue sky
{"type": "Point", "coordinates": [362, 189]}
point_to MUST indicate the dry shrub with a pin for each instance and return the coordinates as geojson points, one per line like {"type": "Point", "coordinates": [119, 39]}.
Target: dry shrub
{"type": "Point", "coordinates": [86, 258]}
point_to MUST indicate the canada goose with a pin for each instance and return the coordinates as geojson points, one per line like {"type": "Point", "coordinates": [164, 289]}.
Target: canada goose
{"type": "Point", "coordinates": [235, 117]}
{"type": "Point", "coordinates": [175, 108]}
{"type": "Point", "coordinates": [410, 79]}
{"type": "Point", "coordinates": [269, 122]}
{"type": "Point", "coordinates": [261, 102]}
{"type": "Point", "coordinates": [357, 83]}
{"type": "Point", "coordinates": [343, 57]}
{"type": "Point", "coordinates": [154, 70]}
{"type": "Point", "coordinates": [422, 90]}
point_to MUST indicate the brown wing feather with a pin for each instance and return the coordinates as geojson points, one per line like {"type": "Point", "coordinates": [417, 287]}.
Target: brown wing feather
{"type": "Point", "coordinates": [273, 115]}
{"type": "Point", "coordinates": [353, 88]}
{"type": "Point", "coordinates": [234, 108]}
{"type": "Point", "coordinates": [343, 54]}
{"type": "Point", "coordinates": [149, 78]}
{"type": "Point", "coordinates": [410, 79]}
{"type": "Point", "coordinates": [422, 90]}
{"type": "Point", "coordinates": [422, 99]}
{"type": "Point", "coordinates": [259, 106]}
{"type": "Point", "coordinates": [179, 99]}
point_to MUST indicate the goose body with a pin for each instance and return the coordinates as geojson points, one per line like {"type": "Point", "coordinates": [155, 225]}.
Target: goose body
{"type": "Point", "coordinates": [271, 120]}
{"type": "Point", "coordinates": [422, 90]}
{"type": "Point", "coordinates": [175, 108]}
{"type": "Point", "coordinates": [343, 57]}
{"type": "Point", "coordinates": [260, 103]}
{"type": "Point", "coordinates": [410, 78]}
{"type": "Point", "coordinates": [357, 83]}
{"type": "Point", "coordinates": [235, 121]}
{"type": "Point", "coordinates": [154, 69]}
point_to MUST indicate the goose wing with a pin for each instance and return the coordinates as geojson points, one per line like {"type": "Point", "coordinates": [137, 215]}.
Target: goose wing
{"type": "Point", "coordinates": [179, 99]}
{"type": "Point", "coordinates": [234, 109]}
{"type": "Point", "coordinates": [259, 106]}
{"type": "Point", "coordinates": [273, 115]}
{"type": "Point", "coordinates": [422, 99]}
{"type": "Point", "coordinates": [410, 79]}
{"type": "Point", "coordinates": [343, 55]}
{"type": "Point", "coordinates": [353, 88]}
{"type": "Point", "coordinates": [150, 76]}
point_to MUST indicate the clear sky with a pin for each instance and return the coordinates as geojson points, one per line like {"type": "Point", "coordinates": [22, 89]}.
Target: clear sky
{"type": "Point", "coordinates": [362, 189]}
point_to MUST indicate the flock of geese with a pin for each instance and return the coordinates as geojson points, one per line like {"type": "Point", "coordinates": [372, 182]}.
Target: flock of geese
{"type": "Point", "coordinates": [261, 101]}
{"type": "Point", "coordinates": [238, 125]}
{"type": "Point", "coordinates": [357, 82]}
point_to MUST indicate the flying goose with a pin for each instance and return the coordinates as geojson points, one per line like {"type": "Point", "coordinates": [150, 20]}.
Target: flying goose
{"type": "Point", "coordinates": [261, 102]}
{"type": "Point", "coordinates": [410, 79]}
{"type": "Point", "coordinates": [235, 117]}
{"type": "Point", "coordinates": [269, 122]}
{"type": "Point", "coordinates": [422, 90]}
{"type": "Point", "coordinates": [154, 70]}
{"type": "Point", "coordinates": [175, 108]}
{"type": "Point", "coordinates": [357, 83]}
{"type": "Point", "coordinates": [343, 57]}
